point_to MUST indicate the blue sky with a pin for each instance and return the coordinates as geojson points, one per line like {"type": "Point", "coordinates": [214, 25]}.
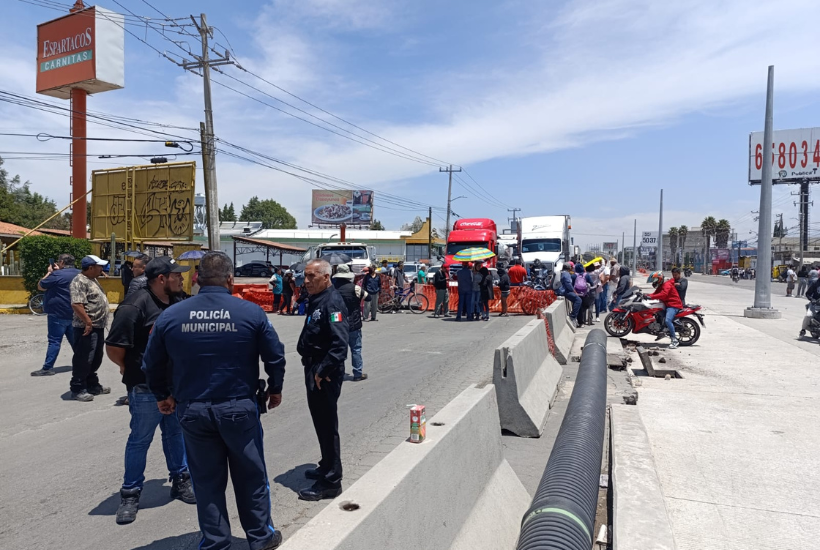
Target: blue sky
{"type": "Point", "coordinates": [584, 107]}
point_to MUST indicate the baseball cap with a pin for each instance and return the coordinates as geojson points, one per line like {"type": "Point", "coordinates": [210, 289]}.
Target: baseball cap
{"type": "Point", "coordinates": [163, 265]}
{"type": "Point", "coordinates": [90, 260]}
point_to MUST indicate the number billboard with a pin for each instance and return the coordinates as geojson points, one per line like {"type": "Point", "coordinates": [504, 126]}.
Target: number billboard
{"type": "Point", "coordinates": [795, 155]}
{"type": "Point", "coordinates": [649, 239]}
{"type": "Point", "coordinates": [353, 207]}
{"type": "Point", "coordinates": [84, 50]}
{"type": "Point", "coordinates": [137, 203]}
{"type": "Point", "coordinates": [610, 248]}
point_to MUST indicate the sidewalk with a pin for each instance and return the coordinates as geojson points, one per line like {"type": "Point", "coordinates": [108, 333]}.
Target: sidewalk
{"type": "Point", "coordinates": [736, 442]}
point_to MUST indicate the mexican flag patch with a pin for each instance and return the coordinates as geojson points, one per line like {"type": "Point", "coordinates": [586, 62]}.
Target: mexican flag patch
{"type": "Point", "coordinates": [336, 317]}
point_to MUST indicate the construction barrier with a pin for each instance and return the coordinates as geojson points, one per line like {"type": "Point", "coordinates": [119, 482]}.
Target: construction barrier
{"type": "Point", "coordinates": [522, 299]}
{"type": "Point", "coordinates": [424, 495]}
{"type": "Point", "coordinates": [559, 326]}
{"type": "Point", "coordinates": [526, 379]}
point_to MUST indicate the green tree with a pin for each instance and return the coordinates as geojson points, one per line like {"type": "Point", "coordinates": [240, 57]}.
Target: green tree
{"type": "Point", "coordinates": [376, 225]}
{"type": "Point", "coordinates": [272, 214]}
{"type": "Point", "coordinates": [722, 231]}
{"type": "Point", "coordinates": [20, 206]}
{"type": "Point", "coordinates": [36, 251]}
{"type": "Point", "coordinates": [683, 231]}
{"type": "Point", "coordinates": [673, 244]}
{"type": "Point", "coordinates": [228, 214]}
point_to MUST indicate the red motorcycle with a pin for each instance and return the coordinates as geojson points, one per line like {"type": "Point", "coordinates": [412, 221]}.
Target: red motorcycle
{"type": "Point", "coordinates": [635, 313]}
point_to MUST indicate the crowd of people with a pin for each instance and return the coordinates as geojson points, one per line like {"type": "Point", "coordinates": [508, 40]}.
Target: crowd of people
{"type": "Point", "coordinates": [596, 287]}
{"type": "Point", "coordinates": [160, 339]}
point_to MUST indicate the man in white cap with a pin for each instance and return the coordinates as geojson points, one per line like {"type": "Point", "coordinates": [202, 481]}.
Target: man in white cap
{"type": "Point", "coordinates": [90, 305]}
{"type": "Point", "coordinates": [352, 294]}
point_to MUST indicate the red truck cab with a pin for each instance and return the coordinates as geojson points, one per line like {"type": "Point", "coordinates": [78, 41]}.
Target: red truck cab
{"type": "Point", "coordinates": [471, 233]}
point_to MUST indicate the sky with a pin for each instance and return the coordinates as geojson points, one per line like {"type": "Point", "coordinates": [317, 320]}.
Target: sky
{"type": "Point", "coordinates": [587, 107]}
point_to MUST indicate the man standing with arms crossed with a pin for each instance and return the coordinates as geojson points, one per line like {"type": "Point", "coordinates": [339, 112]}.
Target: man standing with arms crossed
{"type": "Point", "coordinates": [57, 304]}
{"type": "Point", "coordinates": [125, 346]}
{"type": "Point", "coordinates": [139, 281]}
{"type": "Point", "coordinates": [323, 347]}
{"type": "Point", "coordinates": [207, 349]}
{"type": "Point", "coordinates": [90, 305]}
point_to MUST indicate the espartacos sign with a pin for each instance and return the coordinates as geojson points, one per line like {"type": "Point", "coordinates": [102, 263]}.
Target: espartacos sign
{"type": "Point", "coordinates": [84, 50]}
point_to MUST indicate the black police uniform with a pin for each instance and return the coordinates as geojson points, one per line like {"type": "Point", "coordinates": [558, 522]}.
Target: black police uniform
{"type": "Point", "coordinates": [213, 342]}
{"type": "Point", "coordinates": [323, 347]}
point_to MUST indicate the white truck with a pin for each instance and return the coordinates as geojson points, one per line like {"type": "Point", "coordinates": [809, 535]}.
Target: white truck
{"type": "Point", "coordinates": [362, 255]}
{"type": "Point", "coordinates": [545, 238]}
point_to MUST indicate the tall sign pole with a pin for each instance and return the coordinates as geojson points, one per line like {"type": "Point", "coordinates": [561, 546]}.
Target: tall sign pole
{"type": "Point", "coordinates": [79, 149]}
{"type": "Point", "coordinates": [635, 250]}
{"type": "Point", "coordinates": [762, 308]}
{"type": "Point", "coordinates": [659, 250]}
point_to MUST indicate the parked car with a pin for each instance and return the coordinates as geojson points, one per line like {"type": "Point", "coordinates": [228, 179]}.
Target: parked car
{"type": "Point", "coordinates": [254, 269]}
{"type": "Point", "coordinates": [432, 273]}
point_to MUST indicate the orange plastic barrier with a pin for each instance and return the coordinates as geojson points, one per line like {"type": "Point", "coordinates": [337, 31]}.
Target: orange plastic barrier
{"type": "Point", "coordinates": [522, 299]}
{"type": "Point", "coordinates": [550, 340]}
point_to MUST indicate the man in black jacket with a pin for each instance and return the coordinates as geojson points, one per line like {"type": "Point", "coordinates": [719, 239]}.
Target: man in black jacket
{"type": "Point", "coordinates": [441, 284]}
{"type": "Point", "coordinates": [352, 294]}
{"type": "Point", "coordinates": [624, 282]}
{"type": "Point", "coordinates": [323, 347]}
{"type": "Point", "coordinates": [681, 284]}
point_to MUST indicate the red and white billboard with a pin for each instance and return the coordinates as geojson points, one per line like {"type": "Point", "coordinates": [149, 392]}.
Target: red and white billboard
{"type": "Point", "coordinates": [795, 155]}
{"type": "Point", "coordinates": [81, 50]}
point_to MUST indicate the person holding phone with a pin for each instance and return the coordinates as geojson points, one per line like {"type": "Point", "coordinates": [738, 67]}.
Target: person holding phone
{"type": "Point", "coordinates": [57, 304]}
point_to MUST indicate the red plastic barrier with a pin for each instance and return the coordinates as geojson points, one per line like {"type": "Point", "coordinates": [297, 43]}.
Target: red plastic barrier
{"type": "Point", "coordinates": [522, 299]}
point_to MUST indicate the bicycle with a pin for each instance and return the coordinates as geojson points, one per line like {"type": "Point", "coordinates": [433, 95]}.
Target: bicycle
{"type": "Point", "coordinates": [35, 304]}
{"type": "Point", "coordinates": [416, 303]}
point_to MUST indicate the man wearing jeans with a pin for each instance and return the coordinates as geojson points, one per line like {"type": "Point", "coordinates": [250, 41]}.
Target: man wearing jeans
{"type": "Point", "coordinates": [57, 304]}
{"type": "Point", "coordinates": [352, 294]}
{"type": "Point", "coordinates": [90, 305]}
{"type": "Point", "coordinates": [668, 294]}
{"type": "Point", "coordinates": [465, 291]}
{"type": "Point", "coordinates": [125, 346]}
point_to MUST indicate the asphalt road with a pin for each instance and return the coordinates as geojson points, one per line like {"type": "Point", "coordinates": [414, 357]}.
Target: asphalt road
{"type": "Point", "coordinates": [61, 461]}
{"type": "Point", "coordinates": [778, 288]}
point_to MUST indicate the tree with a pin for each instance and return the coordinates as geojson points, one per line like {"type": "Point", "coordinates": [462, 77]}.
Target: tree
{"type": "Point", "coordinates": [673, 244]}
{"type": "Point", "coordinates": [18, 205]}
{"type": "Point", "coordinates": [376, 225]}
{"type": "Point", "coordinates": [272, 214]}
{"type": "Point", "coordinates": [228, 214]}
{"type": "Point", "coordinates": [416, 225]}
{"type": "Point", "coordinates": [683, 231]}
{"type": "Point", "coordinates": [722, 231]}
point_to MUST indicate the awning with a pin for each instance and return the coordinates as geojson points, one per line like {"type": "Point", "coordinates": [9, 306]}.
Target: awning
{"type": "Point", "coordinates": [268, 245]}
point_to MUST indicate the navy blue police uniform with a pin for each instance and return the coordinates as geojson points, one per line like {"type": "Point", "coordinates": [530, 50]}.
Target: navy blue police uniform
{"type": "Point", "coordinates": [207, 349]}
{"type": "Point", "coordinates": [323, 347]}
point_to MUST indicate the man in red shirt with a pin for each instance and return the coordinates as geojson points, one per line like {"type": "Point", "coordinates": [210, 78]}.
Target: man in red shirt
{"type": "Point", "coordinates": [517, 274]}
{"type": "Point", "coordinates": [668, 294]}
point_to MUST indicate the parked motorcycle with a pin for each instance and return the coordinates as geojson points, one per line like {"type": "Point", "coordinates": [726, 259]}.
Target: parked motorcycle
{"type": "Point", "coordinates": [636, 313]}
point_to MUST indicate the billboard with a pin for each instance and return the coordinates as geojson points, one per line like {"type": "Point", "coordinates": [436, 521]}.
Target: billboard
{"type": "Point", "coordinates": [795, 155]}
{"type": "Point", "coordinates": [649, 239]}
{"type": "Point", "coordinates": [137, 203]}
{"type": "Point", "coordinates": [337, 207]}
{"type": "Point", "coordinates": [610, 248]}
{"type": "Point", "coordinates": [84, 50]}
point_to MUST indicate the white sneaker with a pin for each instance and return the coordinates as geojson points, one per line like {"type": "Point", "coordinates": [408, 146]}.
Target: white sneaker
{"type": "Point", "coordinates": [674, 344]}
{"type": "Point", "coordinates": [597, 319]}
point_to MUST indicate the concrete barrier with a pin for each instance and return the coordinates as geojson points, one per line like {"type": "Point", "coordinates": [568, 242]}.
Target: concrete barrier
{"type": "Point", "coordinates": [640, 520]}
{"type": "Point", "coordinates": [559, 324]}
{"type": "Point", "coordinates": [526, 378]}
{"type": "Point", "coordinates": [453, 491]}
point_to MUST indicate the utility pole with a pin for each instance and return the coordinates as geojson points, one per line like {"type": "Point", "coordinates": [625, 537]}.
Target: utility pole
{"type": "Point", "coordinates": [208, 149]}
{"type": "Point", "coordinates": [804, 217]}
{"type": "Point", "coordinates": [780, 241]}
{"type": "Point", "coordinates": [430, 234]}
{"type": "Point", "coordinates": [449, 194]}
{"type": "Point", "coordinates": [634, 251]}
{"type": "Point", "coordinates": [659, 255]}
{"type": "Point", "coordinates": [623, 247]}
{"type": "Point", "coordinates": [762, 308]}
{"type": "Point", "coordinates": [514, 220]}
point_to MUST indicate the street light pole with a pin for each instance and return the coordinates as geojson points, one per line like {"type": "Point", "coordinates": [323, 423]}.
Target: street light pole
{"type": "Point", "coordinates": [659, 255]}
{"type": "Point", "coordinates": [762, 308]}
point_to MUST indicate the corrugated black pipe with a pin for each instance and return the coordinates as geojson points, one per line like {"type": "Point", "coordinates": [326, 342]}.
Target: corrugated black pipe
{"type": "Point", "coordinates": [562, 515]}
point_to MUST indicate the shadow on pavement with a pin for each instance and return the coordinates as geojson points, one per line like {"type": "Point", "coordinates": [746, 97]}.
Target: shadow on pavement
{"type": "Point", "coordinates": [188, 541]}
{"type": "Point", "coordinates": [60, 370]}
{"type": "Point", "coordinates": [294, 479]}
{"type": "Point", "coordinates": [154, 494]}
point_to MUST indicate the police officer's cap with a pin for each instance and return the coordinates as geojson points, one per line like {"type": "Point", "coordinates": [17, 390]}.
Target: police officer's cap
{"type": "Point", "coordinates": [163, 265]}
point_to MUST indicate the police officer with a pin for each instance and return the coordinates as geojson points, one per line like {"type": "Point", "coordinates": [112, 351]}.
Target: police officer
{"type": "Point", "coordinates": [214, 342]}
{"type": "Point", "coordinates": [323, 347]}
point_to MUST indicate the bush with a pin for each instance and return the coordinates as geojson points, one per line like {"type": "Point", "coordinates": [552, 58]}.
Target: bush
{"type": "Point", "coordinates": [35, 253]}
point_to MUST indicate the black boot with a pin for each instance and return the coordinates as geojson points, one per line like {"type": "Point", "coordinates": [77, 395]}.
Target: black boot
{"type": "Point", "coordinates": [130, 503]}
{"type": "Point", "coordinates": [321, 489]}
{"type": "Point", "coordinates": [182, 488]}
